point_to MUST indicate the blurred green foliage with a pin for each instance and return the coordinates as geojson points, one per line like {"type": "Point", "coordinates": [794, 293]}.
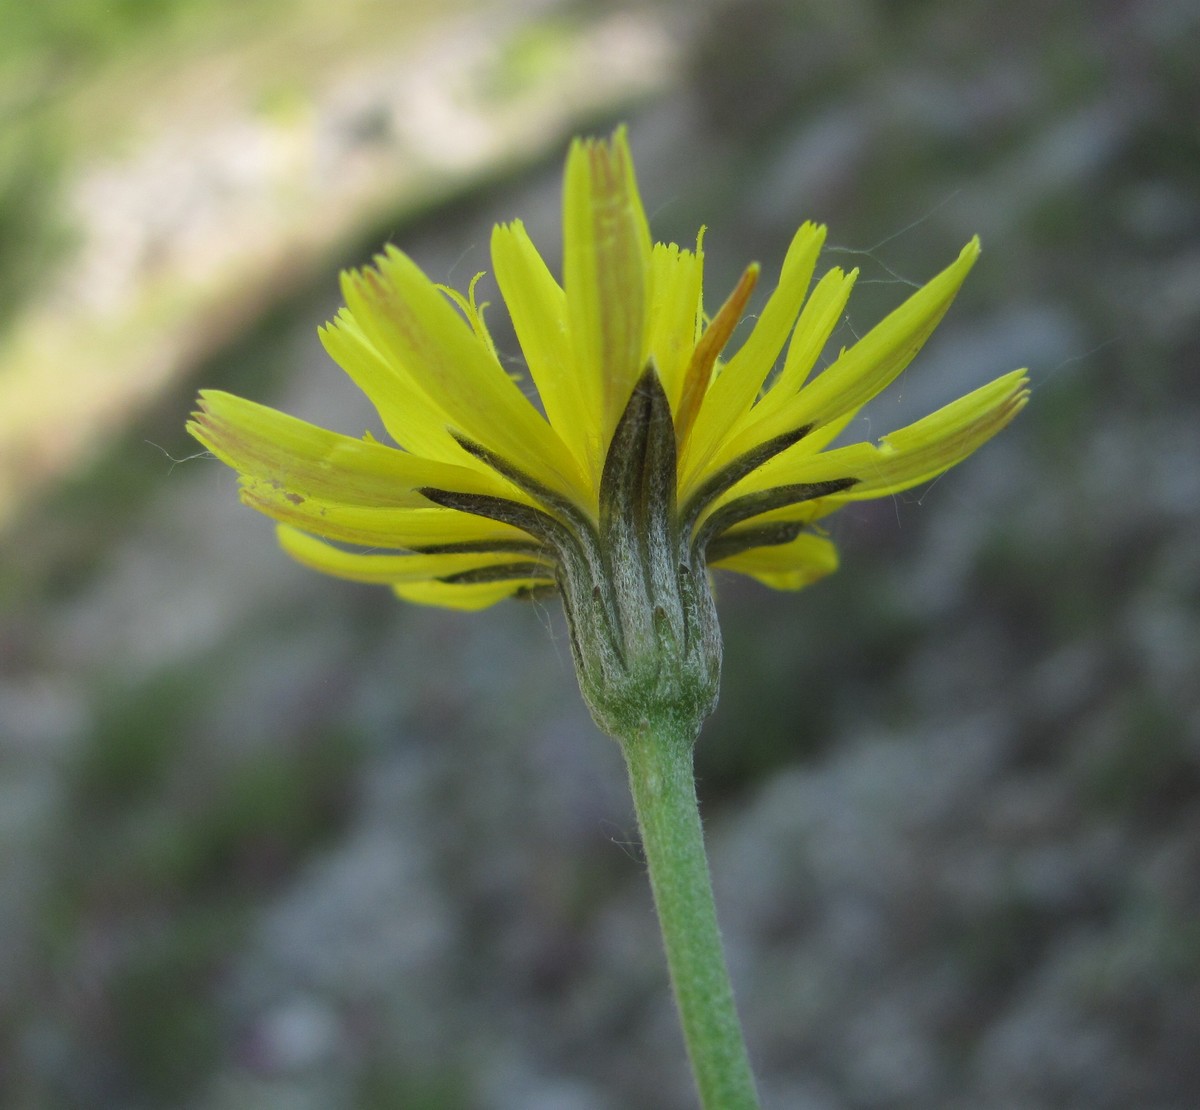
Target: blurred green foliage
{"type": "Point", "coordinates": [48, 53]}
{"type": "Point", "coordinates": [31, 231]}
{"type": "Point", "coordinates": [204, 838]}
{"type": "Point", "coordinates": [65, 39]}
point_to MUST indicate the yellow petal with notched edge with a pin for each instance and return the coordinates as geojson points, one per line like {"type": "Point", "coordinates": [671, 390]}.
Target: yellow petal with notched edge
{"type": "Point", "coordinates": [298, 460]}
{"type": "Point", "coordinates": [735, 388]}
{"type": "Point", "coordinates": [710, 344]}
{"type": "Point", "coordinates": [676, 277]}
{"type": "Point", "coordinates": [822, 313]}
{"type": "Point", "coordinates": [386, 569]}
{"type": "Point", "coordinates": [537, 307]}
{"type": "Point", "coordinates": [861, 371]}
{"type": "Point", "coordinates": [904, 458]}
{"type": "Point", "coordinates": [786, 566]}
{"type": "Point", "coordinates": [409, 416]}
{"type": "Point", "coordinates": [606, 255]}
{"type": "Point", "coordinates": [467, 596]}
{"type": "Point", "coordinates": [407, 318]}
{"type": "Point", "coordinates": [923, 450]}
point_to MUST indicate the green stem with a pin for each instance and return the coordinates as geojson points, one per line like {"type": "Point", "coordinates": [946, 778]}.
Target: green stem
{"type": "Point", "coordinates": [659, 760]}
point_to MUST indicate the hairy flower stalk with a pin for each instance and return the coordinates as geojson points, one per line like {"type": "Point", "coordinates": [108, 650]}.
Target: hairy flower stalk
{"type": "Point", "coordinates": [655, 458]}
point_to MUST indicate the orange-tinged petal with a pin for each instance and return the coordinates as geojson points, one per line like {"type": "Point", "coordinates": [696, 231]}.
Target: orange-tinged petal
{"type": "Point", "coordinates": [735, 388]}
{"type": "Point", "coordinates": [871, 364]}
{"type": "Point", "coordinates": [707, 350]}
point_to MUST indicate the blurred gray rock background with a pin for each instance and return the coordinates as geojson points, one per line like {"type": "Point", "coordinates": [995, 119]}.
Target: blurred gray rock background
{"type": "Point", "coordinates": [270, 840]}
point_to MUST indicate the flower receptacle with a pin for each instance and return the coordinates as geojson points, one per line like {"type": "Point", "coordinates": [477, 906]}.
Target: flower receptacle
{"type": "Point", "coordinates": [643, 623]}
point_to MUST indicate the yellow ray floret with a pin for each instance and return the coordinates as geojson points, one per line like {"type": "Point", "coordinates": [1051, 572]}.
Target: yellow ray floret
{"type": "Point", "coordinates": [413, 323]}
{"type": "Point", "coordinates": [790, 566]}
{"type": "Point", "coordinates": [733, 391]}
{"type": "Point", "coordinates": [606, 259]}
{"type": "Point", "coordinates": [906, 457]}
{"type": "Point", "coordinates": [468, 568]}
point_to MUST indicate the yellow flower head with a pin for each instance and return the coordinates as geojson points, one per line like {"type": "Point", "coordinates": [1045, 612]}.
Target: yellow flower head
{"type": "Point", "coordinates": [657, 457]}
